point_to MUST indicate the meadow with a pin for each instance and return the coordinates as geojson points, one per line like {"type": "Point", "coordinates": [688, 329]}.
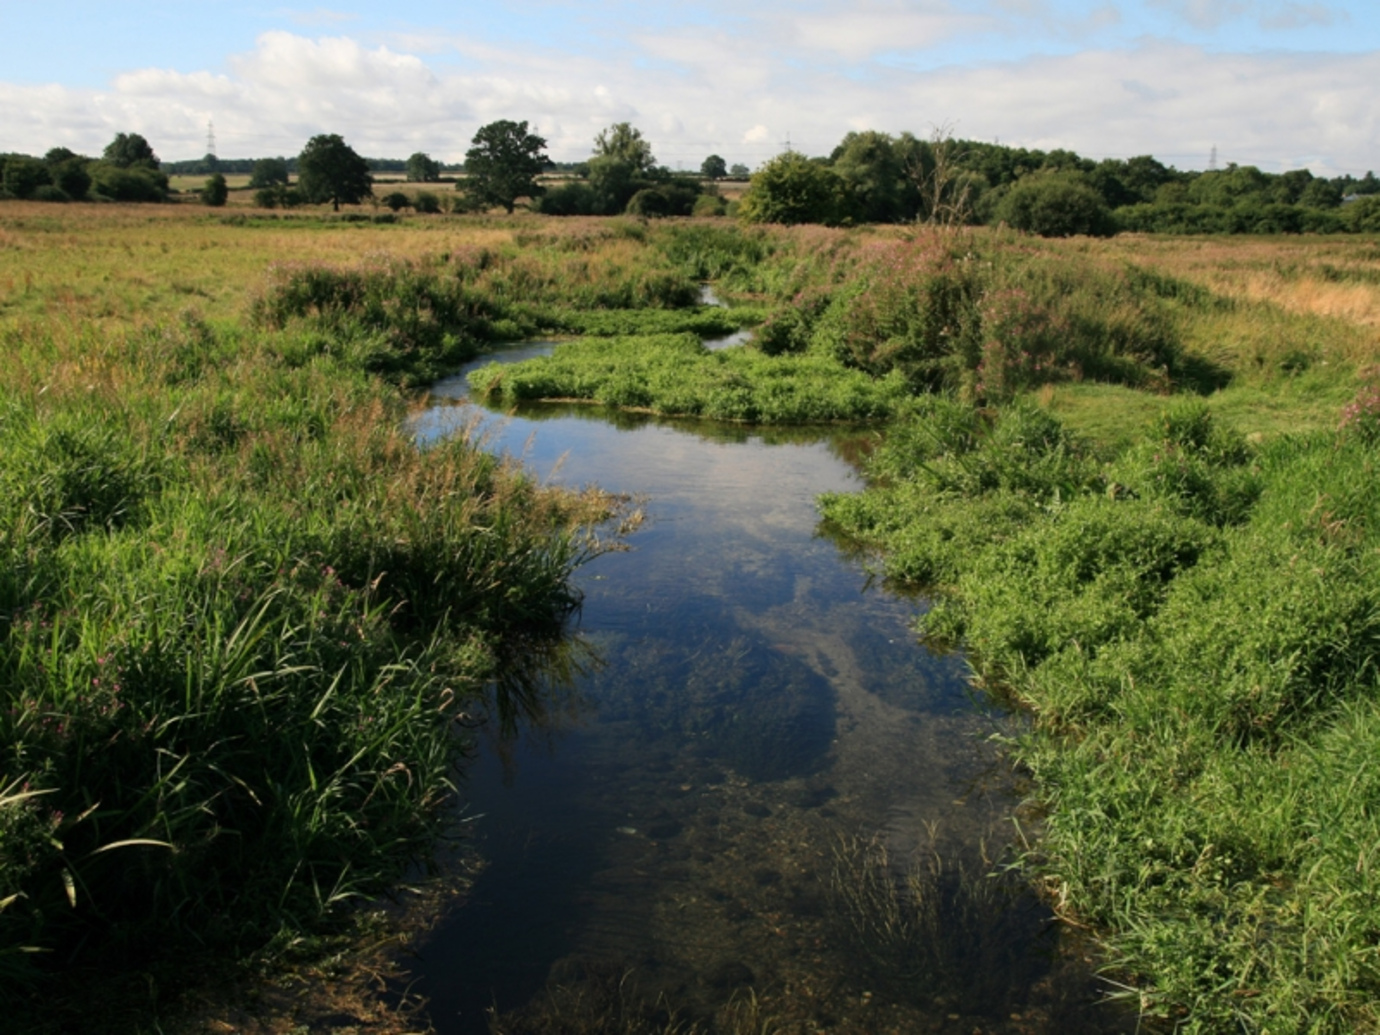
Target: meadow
{"type": "Point", "coordinates": [245, 620]}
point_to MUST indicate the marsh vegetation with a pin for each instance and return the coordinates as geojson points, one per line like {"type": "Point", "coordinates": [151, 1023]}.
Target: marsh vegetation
{"type": "Point", "coordinates": [242, 612]}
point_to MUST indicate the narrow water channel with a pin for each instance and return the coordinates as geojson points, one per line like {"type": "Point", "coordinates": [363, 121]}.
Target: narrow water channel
{"type": "Point", "coordinates": [764, 791]}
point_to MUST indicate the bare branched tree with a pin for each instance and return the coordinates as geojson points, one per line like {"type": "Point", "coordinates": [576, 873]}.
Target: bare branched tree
{"type": "Point", "coordinates": [945, 187]}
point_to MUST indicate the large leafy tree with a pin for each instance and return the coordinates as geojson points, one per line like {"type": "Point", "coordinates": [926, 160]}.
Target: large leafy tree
{"type": "Point", "coordinates": [714, 168]}
{"type": "Point", "coordinates": [503, 163]}
{"type": "Point", "coordinates": [130, 150]}
{"type": "Point", "coordinates": [624, 143]}
{"type": "Point", "coordinates": [877, 173]}
{"type": "Point", "coordinates": [330, 170]}
{"type": "Point", "coordinates": [793, 189]}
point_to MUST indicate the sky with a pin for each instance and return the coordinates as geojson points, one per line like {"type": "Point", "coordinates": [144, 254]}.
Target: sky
{"type": "Point", "coordinates": [1280, 84]}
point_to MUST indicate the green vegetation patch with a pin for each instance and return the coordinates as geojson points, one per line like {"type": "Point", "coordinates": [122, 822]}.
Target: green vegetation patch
{"type": "Point", "coordinates": [675, 375]}
{"type": "Point", "coordinates": [1195, 625]}
{"type": "Point", "coordinates": [240, 615]}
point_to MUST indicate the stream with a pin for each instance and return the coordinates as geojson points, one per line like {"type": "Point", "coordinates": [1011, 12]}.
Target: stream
{"type": "Point", "coordinates": [763, 799]}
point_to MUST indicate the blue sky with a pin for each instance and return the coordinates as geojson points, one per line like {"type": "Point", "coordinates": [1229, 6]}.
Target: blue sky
{"type": "Point", "coordinates": [1277, 83]}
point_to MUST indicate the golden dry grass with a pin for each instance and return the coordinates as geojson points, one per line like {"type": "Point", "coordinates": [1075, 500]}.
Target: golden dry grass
{"type": "Point", "coordinates": [1336, 277]}
{"type": "Point", "coordinates": [68, 267]}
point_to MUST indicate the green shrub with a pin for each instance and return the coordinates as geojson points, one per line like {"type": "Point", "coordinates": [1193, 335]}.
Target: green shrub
{"type": "Point", "coordinates": [136, 183]}
{"type": "Point", "coordinates": [216, 192]}
{"type": "Point", "coordinates": [1055, 206]}
{"type": "Point", "coordinates": [22, 175]}
{"type": "Point", "coordinates": [48, 192]}
{"type": "Point", "coordinates": [792, 189]}
{"type": "Point", "coordinates": [709, 205]}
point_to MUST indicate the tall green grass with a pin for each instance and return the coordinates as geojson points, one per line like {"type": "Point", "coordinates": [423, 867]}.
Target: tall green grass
{"type": "Point", "coordinates": [677, 376]}
{"type": "Point", "coordinates": [1195, 626]}
{"type": "Point", "coordinates": [414, 321]}
{"type": "Point", "coordinates": [240, 614]}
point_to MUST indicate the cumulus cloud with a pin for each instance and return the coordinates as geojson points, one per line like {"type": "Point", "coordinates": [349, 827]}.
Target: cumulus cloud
{"type": "Point", "coordinates": [717, 93]}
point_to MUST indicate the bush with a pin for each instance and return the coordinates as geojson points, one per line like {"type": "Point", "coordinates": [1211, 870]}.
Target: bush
{"type": "Point", "coordinates": [48, 192]}
{"type": "Point", "coordinates": [24, 175]}
{"type": "Point", "coordinates": [135, 183]}
{"type": "Point", "coordinates": [278, 196]}
{"type": "Point", "coordinates": [709, 205]}
{"type": "Point", "coordinates": [427, 203]}
{"type": "Point", "coordinates": [572, 198]}
{"type": "Point", "coordinates": [1055, 206]}
{"type": "Point", "coordinates": [71, 177]}
{"type": "Point", "coordinates": [793, 189]}
{"type": "Point", "coordinates": [397, 201]}
{"type": "Point", "coordinates": [215, 192]}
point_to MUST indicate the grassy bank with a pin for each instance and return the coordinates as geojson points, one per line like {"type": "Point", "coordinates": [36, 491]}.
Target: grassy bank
{"type": "Point", "coordinates": [241, 615]}
{"type": "Point", "coordinates": [859, 322]}
{"type": "Point", "coordinates": [1194, 623]}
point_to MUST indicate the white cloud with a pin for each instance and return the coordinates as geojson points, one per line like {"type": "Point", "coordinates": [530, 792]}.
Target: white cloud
{"type": "Point", "coordinates": [1158, 97]}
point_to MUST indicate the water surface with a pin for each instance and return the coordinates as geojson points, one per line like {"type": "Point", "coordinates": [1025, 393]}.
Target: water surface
{"type": "Point", "coordinates": [761, 728]}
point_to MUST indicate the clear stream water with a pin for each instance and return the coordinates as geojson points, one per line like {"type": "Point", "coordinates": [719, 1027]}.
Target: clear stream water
{"type": "Point", "coordinates": [760, 724]}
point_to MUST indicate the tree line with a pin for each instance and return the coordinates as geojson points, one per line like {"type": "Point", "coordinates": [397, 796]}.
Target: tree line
{"type": "Point", "coordinates": [874, 177]}
{"type": "Point", "coordinates": [869, 177]}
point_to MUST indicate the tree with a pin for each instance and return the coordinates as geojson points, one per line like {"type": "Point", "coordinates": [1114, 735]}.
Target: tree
{"type": "Point", "coordinates": [280, 195]}
{"type": "Point", "coordinates": [422, 169]}
{"type": "Point", "coordinates": [23, 175]}
{"type": "Point", "coordinates": [71, 177]}
{"type": "Point", "coordinates": [216, 191]}
{"type": "Point", "coordinates": [130, 150]}
{"type": "Point", "coordinates": [626, 144]}
{"type": "Point", "coordinates": [792, 189]}
{"type": "Point", "coordinates": [714, 168]}
{"type": "Point", "coordinates": [503, 164]}
{"type": "Point", "coordinates": [873, 169]}
{"type": "Point", "coordinates": [948, 190]}
{"type": "Point", "coordinates": [739, 171]}
{"type": "Point", "coordinates": [329, 170]}
{"type": "Point", "coordinates": [1320, 194]}
{"type": "Point", "coordinates": [613, 182]}
{"type": "Point", "coordinates": [268, 171]}
{"type": "Point", "coordinates": [1055, 205]}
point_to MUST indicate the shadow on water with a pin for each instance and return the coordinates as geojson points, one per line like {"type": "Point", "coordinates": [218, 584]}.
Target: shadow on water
{"type": "Point", "coordinates": [738, 797]}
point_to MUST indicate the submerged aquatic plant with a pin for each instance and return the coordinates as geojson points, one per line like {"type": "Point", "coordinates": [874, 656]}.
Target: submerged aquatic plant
{"type": "Point", "coordinates": [932, 929]}
{"type": "Point", "coordinates": [605, 1001]}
